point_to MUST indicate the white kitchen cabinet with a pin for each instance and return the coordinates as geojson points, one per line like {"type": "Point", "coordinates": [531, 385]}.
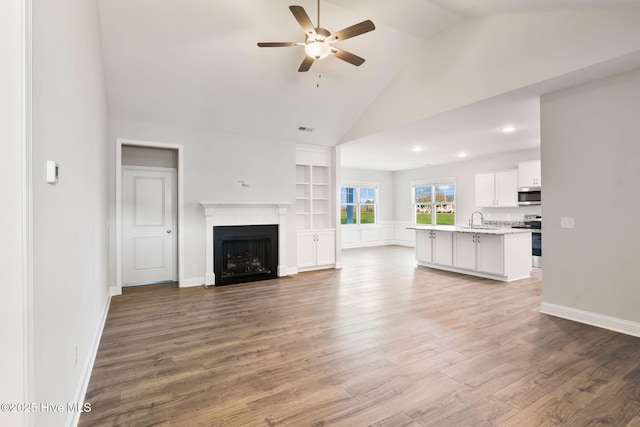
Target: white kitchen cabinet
{"type": "Point", "coordinates": [485, 190]}
{"type": "Point", "coordinates": [530, 174]}
{"type": "Point", "coordinates": [316, 249]}
{"type": "Point", "coordinates": [434, 247]}
{"type": "Point", "coordinates": [464, 255]}
{"type": "Point", "coordinates": [503, 254]}
{"type": "Point", "coordinates": [480, 252]}
{"type": "Point", "coordinates": [423, 245]}
{"type": "Point", "coordinates": [490, 253]}
{"type": "Point", "coordinates": [442, 247]}
{"type": "Point", "coordinates": [498, 189]}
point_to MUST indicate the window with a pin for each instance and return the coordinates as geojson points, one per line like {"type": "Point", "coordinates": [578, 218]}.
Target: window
{"type": "Point", "coordinates": [358, 204]}
{"type": "Point", "coordinates": [434, 203]}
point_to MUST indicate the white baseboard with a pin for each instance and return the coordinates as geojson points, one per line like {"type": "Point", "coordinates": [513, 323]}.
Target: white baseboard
{"type": "Point", "coordinates": [291, 271]}
{"type": "Point", "coordinates": [408, 244]}
{"type": "Point", "coordinates": [73, 417]}
{"type": "Point", "coordinates": [590, 318]}
{"type": "Point", "coordinates": [192, 281]}
{"type": "Point", "coordinates": [367, 244]}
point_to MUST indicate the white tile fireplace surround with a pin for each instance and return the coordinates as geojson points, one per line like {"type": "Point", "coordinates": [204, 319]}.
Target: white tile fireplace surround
{"type": "Point", "coordinates": [244, 213]}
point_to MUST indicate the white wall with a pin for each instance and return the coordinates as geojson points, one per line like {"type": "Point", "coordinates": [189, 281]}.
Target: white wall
{"type": "Point", "coordinates": [590, 165]}
{"type": "Point", "coordinates": [486, 56]}
{"type": "Point", "coordinates": [213, 164]}
{"type": "Point", "coordinates": [70, 126]}
{"type": "Point", "coordinates": [13, 357]}
{"type": "Point", "coordinates": [464, 175]}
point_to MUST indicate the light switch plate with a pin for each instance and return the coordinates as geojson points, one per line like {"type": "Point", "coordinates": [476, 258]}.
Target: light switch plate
{"type": "Point", "coordinates": [567, 222]}
{"type": "Point", "coordinates": [52, 172]}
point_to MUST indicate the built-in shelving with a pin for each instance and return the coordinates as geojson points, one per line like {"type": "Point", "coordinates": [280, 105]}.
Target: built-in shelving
{"type": "Point", "coordinates": [312, 197]}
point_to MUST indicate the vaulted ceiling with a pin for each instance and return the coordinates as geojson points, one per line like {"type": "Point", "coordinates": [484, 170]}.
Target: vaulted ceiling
{"type": "Point", "coordinates": [195, 63]}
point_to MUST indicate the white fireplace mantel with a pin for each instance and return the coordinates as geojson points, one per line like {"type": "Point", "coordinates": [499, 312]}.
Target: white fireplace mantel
{"type": "Point", "coordinates": [244, 213]}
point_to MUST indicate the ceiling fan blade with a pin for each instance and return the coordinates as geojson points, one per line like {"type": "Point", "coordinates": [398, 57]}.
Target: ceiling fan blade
{"type": "Point", "coordinates": [347, 56]}
{"type": "Point", "coordinates": [352, 31]}
{"type": "Point", "coordinates": [306, 64]}
{"type": "Point", "coordinates": [279, 44]}
{"type": "Point", "coordinates": [304, 21]}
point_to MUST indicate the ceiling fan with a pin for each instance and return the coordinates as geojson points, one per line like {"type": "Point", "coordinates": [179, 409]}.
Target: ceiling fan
{"type": "Point", "coordinates": [318, 41]}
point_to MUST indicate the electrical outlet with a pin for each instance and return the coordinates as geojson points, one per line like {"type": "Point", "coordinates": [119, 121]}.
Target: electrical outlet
{"type": "Point", "coordinates": [567, 222]}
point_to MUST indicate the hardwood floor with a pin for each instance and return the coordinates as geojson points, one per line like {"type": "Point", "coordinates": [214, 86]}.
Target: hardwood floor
{"type": "Point", "coordinates": [379, 342]}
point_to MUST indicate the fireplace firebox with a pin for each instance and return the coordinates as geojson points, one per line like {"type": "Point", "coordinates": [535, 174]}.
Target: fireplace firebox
{"type": "Point", "coordinates": [245, 253]}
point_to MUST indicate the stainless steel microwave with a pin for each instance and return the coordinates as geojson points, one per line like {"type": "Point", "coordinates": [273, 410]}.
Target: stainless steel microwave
{"type": "Point", "coordinates": [529, 196]}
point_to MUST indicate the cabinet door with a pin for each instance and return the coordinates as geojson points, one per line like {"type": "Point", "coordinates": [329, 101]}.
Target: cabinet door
{"type": "Point", "coordinates": [442, 245]}
{"type": "Point", "coordinates": [507, 188]}
{"type": "Point", "coordinates": [485, 193]}
{"type": "Point", "coordinates": [464, 253]}
{"type": "Point", "coordinates": [306, 250]}
{"type": "Point", "coordinates": [529, 174]}
{"type": "Point", "coordinates": [490, 253]}
{"type": "Point", "coordinates": [423, 246]}
{"type": "Point", "coordinates": [325, 248]}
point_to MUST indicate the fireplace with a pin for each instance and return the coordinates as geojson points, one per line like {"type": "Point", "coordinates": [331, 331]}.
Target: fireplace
{"type": "Point", "coordinates": [219, 215]}
{"type": "Point", "coordinates": [245, 253]}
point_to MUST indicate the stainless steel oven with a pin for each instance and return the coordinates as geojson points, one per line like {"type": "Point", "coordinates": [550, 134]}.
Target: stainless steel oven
{"type": "Point", "coordinates": [534, 223]}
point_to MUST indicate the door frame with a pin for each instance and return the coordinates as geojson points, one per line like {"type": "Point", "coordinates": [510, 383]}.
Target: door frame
{"type": "Point", "coordinates": [180, 206]}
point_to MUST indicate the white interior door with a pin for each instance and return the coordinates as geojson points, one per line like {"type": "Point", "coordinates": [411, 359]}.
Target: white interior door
{"type": "Point", "coordinates": [149, 225]}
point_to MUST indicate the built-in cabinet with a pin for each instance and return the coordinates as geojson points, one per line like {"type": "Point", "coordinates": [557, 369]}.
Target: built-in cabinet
{"type": "Point", "coordinates": [497, 189]}
{"type": "Point", "coordinates": [316, 234]}
{"type": "Point", "coordinates": [316, 249]}
{"type": "Point", "coordinates": [530, 174]}
{"type": "Point", "coordinates": [433, 246]}
{"type": "Point", "coordinates": [479, 252]}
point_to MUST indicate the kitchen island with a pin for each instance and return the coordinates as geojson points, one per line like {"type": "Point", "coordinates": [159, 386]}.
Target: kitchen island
{"type": "Point", "coordinates": [495, 253]}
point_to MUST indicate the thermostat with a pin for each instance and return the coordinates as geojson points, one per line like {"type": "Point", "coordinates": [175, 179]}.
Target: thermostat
{"type": "Point", "coordinates": [52, 172]}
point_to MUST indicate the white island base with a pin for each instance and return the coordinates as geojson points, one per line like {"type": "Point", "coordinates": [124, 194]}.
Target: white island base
{"type": "Point", "coordinates": [500, 254]}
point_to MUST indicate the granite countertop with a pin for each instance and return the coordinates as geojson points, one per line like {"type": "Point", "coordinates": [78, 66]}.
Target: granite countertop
{"type": "Point", "coordinates": [467, 229]}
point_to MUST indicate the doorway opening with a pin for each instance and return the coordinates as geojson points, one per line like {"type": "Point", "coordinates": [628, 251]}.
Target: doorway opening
{"type": "Point", "coordinates": [149, 213]}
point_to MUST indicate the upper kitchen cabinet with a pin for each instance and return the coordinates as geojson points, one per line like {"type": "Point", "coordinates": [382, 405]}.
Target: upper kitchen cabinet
{"type": "Point", "coordinates": [529, 174]}
{"type": "Point", "coordinates": [497, 189]}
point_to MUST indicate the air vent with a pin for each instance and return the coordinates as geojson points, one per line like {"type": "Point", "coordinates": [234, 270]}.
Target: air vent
{"type": "Point", "coordinates": [305, 129]}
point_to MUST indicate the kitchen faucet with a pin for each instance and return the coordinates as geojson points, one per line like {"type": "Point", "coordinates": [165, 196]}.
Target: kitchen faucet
{"type": "Point", "coordinates": [471, 219]}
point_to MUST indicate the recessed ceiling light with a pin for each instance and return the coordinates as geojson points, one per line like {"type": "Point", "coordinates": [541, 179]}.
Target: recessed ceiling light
{"type": "Point", "coordinates": [461, 155]}
{"type": "Point", "coordinates": [508, 129]}
{"type": "Point", "coordinates": [417, 149]}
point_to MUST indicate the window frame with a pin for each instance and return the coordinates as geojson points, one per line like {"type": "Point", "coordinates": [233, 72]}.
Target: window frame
{"type": "Point", "coordinates": [433, 205]}
{"type": "Point", "coordinates": [358, 205]}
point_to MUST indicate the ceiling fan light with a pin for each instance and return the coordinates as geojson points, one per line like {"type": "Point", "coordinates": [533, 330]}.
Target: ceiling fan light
{"type": "Point", "coordinates": [317, 50]}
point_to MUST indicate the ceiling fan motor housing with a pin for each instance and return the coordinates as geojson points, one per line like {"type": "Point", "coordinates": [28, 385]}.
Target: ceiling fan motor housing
{"type": "Point", "coordinates": [316, 48]}
{"type": "Point", "coordinates": [321, 35]}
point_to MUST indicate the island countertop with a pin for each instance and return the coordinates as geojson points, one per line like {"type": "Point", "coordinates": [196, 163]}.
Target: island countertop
{"type": "Point", "coordinates": [467, 229]}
